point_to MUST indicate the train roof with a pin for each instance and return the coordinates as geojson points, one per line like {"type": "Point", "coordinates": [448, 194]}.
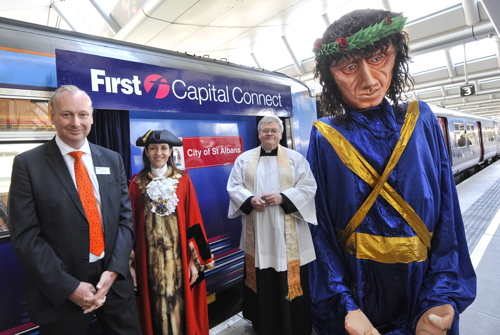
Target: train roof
{"type": "Point", "coordinates": [438, 110]}
{"type": "Point", "coordinates": [42, 40]}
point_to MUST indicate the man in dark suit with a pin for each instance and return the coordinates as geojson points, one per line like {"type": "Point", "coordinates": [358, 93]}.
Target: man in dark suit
{"type": "Point", "coordinates": [50, 231]}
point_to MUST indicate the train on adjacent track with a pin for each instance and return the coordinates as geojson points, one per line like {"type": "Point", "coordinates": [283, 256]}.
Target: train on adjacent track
{"type": "Point", "coordinates": [214, 106]}
{"type": "Point", "coordinates": [472, 141]}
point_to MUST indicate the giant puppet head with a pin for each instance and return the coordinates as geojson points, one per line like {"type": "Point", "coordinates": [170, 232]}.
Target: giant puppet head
{"type": "Point", "coordinates": [362, 57]}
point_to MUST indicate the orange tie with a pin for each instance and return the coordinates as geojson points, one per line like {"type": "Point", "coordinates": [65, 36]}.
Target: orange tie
{"type": "Point", "coordinates": [89, 203]}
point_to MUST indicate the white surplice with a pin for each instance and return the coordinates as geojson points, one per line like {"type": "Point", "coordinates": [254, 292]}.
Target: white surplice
{"type": "Point", "coordinates": [270, 247]}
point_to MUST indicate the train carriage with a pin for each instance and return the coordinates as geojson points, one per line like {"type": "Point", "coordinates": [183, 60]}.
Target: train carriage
{"type": "Point", "coordinates": [472, 141]}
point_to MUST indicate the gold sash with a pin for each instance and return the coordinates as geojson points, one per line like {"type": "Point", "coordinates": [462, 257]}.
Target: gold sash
{"type": "Point", "coordinates": [379, 248]}
{"type": "Point", "coordinates": [291, 237]}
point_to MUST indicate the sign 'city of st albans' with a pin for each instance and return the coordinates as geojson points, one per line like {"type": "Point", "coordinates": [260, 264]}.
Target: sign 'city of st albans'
{"type": "Point", "coordinates": [198, 152]}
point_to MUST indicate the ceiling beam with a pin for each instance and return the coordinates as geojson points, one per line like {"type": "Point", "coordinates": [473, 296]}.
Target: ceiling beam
{"type": "Point", "coordinates": [471, 12]}
{"type": "Point", "coordinates": [483, 75]}
{"type": "Point", "coordinates": [107, 18]}
{"type": "Point", "coordinates": [452, 73]}
{"type": "Point", "coordinates": [298, 66]}
{"type": "Point", "coordinates": [62, 10]}
{"type": "Point", "coordinates": [482, 112]}
{"type": "Point", "coordinates": [484, 104]}
{"type": "Point", "coordinates": [457, 96]}
{"type": "Point", "coordinates": [138, 18]}
{"type": "Point", "coordinates": [497, 41]}
{"type": "Point", "coordinates": [326, 19]}
{"type": "Point", "coordinates": [492, 8]}
{"type": "Point", "coordinates": [386, 5]}
{"type": "Point", "coordinates": [256, 60]}
{"type": "Point", "coordinates": [452, 38]}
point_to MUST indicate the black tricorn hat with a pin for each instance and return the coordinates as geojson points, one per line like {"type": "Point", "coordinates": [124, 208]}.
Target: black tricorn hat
{"type": "Point", "coordinates": [158, 136]}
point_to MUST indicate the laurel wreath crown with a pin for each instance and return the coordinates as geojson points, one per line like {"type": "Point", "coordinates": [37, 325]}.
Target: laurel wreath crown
{"type": "Point", "coordinates": [362, 38]}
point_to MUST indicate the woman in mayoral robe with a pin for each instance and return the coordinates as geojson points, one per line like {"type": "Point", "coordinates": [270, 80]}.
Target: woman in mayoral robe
{"type": "Point", "coordinates": [171, 251]}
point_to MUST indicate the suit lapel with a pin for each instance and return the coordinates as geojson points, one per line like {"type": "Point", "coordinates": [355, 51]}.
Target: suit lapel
{"type": "Point", "coordinates": [100, 161]}
{"type": "Point", "coordinates": [56, 161]}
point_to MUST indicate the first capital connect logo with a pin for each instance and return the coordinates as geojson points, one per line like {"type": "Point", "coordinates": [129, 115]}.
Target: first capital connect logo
{"type": "Point", "coordinates": [159, 86]}
{"type": "Point", "coordinates": [157, 83]}
{"type": "Point", "coordinates": [154, 83]}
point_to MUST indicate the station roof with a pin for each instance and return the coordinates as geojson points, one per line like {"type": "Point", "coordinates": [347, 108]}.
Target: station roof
{"type": "Point", "coordinates": [277, 35]}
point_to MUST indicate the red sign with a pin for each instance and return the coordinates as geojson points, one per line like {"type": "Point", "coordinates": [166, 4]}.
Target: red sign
{"type": "Point", "coordinates": [211, 151]}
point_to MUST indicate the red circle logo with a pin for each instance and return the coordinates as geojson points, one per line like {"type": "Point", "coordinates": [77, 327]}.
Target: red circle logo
{"type": "Point", "coordinates": [159, 84]}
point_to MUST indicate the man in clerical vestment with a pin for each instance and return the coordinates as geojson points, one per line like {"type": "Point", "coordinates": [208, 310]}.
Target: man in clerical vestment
{"type": "Point", "coordinates": [273, 189]}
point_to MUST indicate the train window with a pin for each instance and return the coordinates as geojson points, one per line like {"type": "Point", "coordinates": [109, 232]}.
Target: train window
{"type": "Point", "coordinates": [25, 115]}
{"type": "Point", "coordinates": [460, 135]}
{"type": "Point", "coordinates": [471, 139]}
{"type": "Point", "coordinates": [489, 133]}
{"type": "Point", "coordinates": [7, 153]}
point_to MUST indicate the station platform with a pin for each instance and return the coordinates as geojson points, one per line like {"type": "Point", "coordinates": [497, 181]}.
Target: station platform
{"type": "Point", "coordinates": [480, 205]}
{"type": "Point", "coordinates": [479, 198]}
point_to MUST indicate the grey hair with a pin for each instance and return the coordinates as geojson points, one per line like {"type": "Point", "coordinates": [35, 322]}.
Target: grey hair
{"type": "Point", "coordinates": [67, 88]}
{"type": "Point", "coordinates": [271, 119]}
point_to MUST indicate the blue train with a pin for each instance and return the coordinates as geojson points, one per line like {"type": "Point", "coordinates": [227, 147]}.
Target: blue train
{"type": "Point", "coordinates": [214, 106]}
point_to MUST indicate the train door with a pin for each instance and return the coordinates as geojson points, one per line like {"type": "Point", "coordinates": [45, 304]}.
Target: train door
{"type": "Point", "coordinates": [443, 126]}
{"type": "Point", "coordinates": [481, 141]}
{"type": "Point", "coordinates": [497, 138]}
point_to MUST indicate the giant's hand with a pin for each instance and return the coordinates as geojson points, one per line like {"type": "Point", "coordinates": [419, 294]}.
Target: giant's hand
{"type": "Point", "coordinates": [356, 323]}
{"type": "Point", "coordinates": [436, 320]}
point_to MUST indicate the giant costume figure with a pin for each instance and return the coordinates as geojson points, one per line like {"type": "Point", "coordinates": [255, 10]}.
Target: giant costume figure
{"type": "Point", "coordinates": [391, 251]}
{"type": "Point", "coordinates": [273, 188]}
{"type": "Point", "coordinates": [171, 249]}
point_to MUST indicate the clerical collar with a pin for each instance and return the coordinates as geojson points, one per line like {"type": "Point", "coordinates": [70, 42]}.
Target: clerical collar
{"type": "Point", "coordinates": [273, 152]}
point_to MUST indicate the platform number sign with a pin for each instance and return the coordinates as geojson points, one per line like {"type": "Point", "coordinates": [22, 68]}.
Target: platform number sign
{"type": "Point", "coordinates": [467, 90]}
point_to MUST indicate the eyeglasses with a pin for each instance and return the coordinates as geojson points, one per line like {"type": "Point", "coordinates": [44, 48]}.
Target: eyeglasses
{"type": "Point", "coordinates": [273, 131]}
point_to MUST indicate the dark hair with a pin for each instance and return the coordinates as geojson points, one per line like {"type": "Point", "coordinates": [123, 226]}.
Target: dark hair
{"type": "Point", "coordinates": [331, 102]}
{"type": "Point", "coordinates": [146, 163]}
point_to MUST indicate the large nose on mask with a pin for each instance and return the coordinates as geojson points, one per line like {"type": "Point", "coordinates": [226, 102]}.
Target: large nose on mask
{"type": "Point", "coordinates": [366, 73]}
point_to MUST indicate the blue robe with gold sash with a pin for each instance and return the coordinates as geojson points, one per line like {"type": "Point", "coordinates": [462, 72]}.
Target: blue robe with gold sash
{"type": "Point", "coordinates": [383, 276]}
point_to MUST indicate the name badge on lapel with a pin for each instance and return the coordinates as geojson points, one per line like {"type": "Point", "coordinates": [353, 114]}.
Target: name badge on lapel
{"type": "Point", "coordinates": [102, 170]}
